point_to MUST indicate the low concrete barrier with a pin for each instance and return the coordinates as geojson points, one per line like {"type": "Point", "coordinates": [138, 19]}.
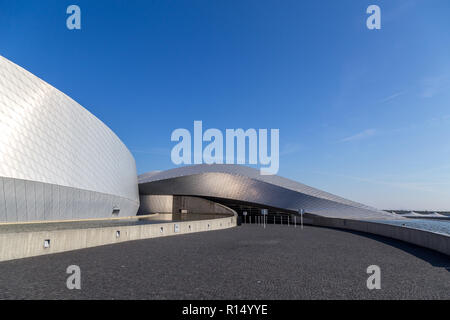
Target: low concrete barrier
{"type": "Point", "coordinates": [29, 244]}
{"type": "Point", "coordinates": [430, 240]}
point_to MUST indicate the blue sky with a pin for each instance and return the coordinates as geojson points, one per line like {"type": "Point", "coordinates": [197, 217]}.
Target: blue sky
{"type": "Point", "coordinates": [364, 114]}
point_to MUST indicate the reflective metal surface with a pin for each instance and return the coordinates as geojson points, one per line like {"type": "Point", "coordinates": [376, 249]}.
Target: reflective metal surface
{"type": "Point", "coordinates": [245, 184]}
{"type": "Point", "coordinates": [57, 160]}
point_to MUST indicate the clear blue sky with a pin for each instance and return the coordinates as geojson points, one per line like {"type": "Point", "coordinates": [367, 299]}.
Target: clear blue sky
{"type": "Point", "coordinates": [362, 114]}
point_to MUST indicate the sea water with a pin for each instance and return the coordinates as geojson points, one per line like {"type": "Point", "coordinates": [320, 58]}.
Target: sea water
{"type": "Point", "coordinates": [436, 226]}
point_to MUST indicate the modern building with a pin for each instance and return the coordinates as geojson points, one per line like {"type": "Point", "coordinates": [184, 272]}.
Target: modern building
{"type": "Point", "coordinates": [242, 189]}
{"type": "Point", "coordinates": [57, 160]}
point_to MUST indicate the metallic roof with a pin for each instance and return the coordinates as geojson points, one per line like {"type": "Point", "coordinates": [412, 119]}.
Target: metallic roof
{"type": "Point", "coordinates": [247, 184]}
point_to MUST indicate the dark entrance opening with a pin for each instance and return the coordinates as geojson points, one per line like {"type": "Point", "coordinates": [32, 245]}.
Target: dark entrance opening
{"type": "Point", "coordinates": [275, 215]}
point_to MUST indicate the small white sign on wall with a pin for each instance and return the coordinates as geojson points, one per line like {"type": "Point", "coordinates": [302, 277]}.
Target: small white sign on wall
{"type": "Point", "coordinates": [176, 228]}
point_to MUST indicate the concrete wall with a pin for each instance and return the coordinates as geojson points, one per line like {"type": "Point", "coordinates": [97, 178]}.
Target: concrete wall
{"type": "Point", "coordinates": [197, 205]}
{"type": "Point", "coordinates": [28, 244]}
{"type": "Point", "coordinates": [430, 240]}
{"type": "Point", "coordinates": [155, 204]}
{"type": "Point", "coordinates": [173, 204]}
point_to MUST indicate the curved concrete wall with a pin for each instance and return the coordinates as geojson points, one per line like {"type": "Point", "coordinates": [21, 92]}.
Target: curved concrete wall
{"type": "Point", "coordinates": [156, 204]}
{"type": "Point", "coordinates": [19, 245]}
{"type": "Point", "coordinates": [173, 204]}
{"type": "Point", "coordinates": [426, 239]}
{"type": "Point", "coordinates": [57, 160]}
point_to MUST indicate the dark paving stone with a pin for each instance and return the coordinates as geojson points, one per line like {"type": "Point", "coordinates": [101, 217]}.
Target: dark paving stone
{"type": "Point", "coordinates": [247, 262]}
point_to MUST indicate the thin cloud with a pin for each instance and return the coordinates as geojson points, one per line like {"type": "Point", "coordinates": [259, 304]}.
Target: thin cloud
{"type": "Point", "coordinates": [360, 136]}
{"type": "Point", "coordinates": [393, 96]}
